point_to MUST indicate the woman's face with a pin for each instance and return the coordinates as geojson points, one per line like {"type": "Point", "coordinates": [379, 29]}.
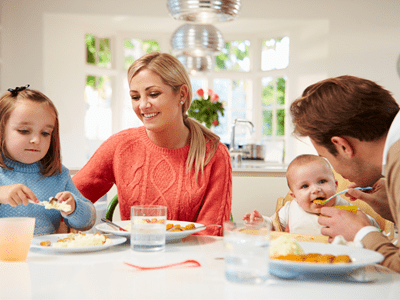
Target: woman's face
{"type": "Point", "coordinates": [154, 102]}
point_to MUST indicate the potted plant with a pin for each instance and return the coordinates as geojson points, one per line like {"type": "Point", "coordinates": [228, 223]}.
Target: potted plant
{"type": "Point", "coordinates": [205, 109]}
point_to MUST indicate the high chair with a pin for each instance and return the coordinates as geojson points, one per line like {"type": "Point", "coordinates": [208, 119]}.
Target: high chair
{"type": "Point", "coordinates": [386, 226]}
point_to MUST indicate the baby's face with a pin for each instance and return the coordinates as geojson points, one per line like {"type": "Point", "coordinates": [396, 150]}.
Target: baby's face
{"type": "Point", "coordinates": [312, 181]}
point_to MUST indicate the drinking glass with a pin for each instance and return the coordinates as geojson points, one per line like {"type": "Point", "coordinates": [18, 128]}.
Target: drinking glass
{"type": "Point", "coordinates": [246, 252]}
{"type": "Point", "coordinates": [148, 227]}
{"type": "Point", "coordinates": [15, 238]}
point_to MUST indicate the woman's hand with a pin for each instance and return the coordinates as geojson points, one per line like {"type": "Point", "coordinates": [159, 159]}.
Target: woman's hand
{"type": "Point", "coordinates": [255, 216]}
{"type": "Point", "coordinates": [16, 194]}
{"type": "Point", "coordinates": [68, 199]}
{"type": "Point", "coordinates": [376, 198]}
{"type": "Point", "coordinates": [342, 222]}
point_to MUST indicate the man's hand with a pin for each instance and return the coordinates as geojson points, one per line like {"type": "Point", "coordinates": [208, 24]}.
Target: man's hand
{"type": "Point", "coordinates": [342, 222]}
{"type": "Point", "coordinates": [376, 198]}
{"type": "Point", "coordinates": [16, 194]}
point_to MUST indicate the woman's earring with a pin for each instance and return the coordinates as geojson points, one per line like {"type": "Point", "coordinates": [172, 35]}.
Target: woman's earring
{"type": "Point", "coordinates": [181, 102]}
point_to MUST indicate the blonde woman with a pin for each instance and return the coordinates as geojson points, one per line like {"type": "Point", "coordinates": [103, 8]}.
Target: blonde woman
{"type": "Point", "coordinates": [172, 160]}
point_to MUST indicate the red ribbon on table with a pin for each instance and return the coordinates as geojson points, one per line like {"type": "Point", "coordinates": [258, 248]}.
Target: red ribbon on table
{"type": "Point", "coordinates": [190, 263]}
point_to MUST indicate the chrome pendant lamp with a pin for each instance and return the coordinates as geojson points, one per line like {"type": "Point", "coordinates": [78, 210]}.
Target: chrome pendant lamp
{"type": "Point", "coordinates": [204, 11]}
{"type": "Point", "coordinates": [195, 64]}
{"type": "Point", "coordinates": [197, 40]}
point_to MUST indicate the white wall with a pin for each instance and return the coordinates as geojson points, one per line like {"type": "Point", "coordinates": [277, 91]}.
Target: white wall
{"type": "Point", "coordinates": [329, 38]}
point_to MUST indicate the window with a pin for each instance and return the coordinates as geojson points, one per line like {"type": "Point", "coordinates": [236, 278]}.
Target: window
{"type": "Point", "coordinates": [249, 76]}
{"type": "Point", "coordinates": [98, 93]}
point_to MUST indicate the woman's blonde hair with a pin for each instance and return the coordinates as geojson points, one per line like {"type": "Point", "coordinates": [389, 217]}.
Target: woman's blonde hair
{"type": "Point", "coordinates": [173, 73]}
{"type": "Point", "coordinates": [51, 163]}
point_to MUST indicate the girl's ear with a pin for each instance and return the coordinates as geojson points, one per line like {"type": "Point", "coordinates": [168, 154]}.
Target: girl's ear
{"type": "Point", "coordinates": [343, 146]}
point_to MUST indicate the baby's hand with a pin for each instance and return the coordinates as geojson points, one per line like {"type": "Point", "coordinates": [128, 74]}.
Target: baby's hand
{"type": "Point", "coordinates": [68, 199]}
{"type": "Point", "coordinates": [16, 194]}
{"type": "Point", "coordinates": [255, 216]}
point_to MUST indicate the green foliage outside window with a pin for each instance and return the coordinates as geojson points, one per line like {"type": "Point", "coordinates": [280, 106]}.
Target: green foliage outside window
{"type": "Point", "coordinates": [233, 56]}
{"type": "Point", "coordinates": [135, 48]}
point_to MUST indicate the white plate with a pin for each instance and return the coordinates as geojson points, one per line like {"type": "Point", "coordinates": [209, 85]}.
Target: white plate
{"type": "Point", "coordinates": [53, 238]}
{"type": "Point", "coordinates": [170, 236]}
{"type": "Point", "coordinates": [360, 258]}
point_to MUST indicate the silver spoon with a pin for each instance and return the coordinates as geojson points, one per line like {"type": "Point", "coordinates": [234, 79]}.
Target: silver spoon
{"type": "Point", "coordinates": [203, 226]}
{"type": "Point", "coordinates": [321, 202]}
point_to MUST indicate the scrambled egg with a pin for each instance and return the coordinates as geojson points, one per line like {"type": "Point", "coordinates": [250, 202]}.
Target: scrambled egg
{"type": "Point", "coordinates": [82, 240]}
{"type": "Point", "coordinates": [57, 205]}
{"type": "Point", "coordinates": [285, 245]}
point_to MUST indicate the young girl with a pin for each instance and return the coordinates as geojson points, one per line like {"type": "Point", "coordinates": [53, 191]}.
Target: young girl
{"type": "Point", "coordinates": [30, 164]}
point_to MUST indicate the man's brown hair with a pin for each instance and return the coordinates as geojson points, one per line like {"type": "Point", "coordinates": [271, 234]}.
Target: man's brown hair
{"type": "Point", "coordinates": [343, 106]}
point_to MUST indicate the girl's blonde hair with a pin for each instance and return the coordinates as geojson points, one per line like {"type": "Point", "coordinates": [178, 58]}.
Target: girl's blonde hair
{"type": "Point", "coordinates": [173, 73]}
{"type": "Point", "coordinates": [51, 163]}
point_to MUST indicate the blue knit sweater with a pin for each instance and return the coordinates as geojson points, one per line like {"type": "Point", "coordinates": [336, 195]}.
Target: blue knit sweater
{"type": "Point", "coordinates": [47, 220]}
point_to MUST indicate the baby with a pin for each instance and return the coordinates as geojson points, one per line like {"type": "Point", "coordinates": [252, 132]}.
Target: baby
{"type": "Point", "coordinates": [309, 178]}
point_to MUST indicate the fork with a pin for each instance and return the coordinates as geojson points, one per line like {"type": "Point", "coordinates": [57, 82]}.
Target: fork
{"type": "Point", "coordinates": [321, 202]}
{"type": "Point", "coordinates": [42, 202]}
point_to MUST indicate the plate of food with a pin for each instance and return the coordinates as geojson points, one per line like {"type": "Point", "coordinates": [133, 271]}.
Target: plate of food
{"type": "Point", "coordinates": [75, 242]}
{"type": "Point", "coordinates": [188, 229]}
{"type": "Point", "coordinates": [290, 259]}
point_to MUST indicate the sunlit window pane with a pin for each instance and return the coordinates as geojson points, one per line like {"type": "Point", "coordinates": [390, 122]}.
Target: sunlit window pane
{"type": "Point", "coordinates": [135, 48]}
{"type": "Point", "coordinates": [267, 91]}
{"type": "Point", "coordinates": [235, 94]}
{"type": "Point", "coordinates": [275, 54]}
{"type": "Point", "coordinates": [90, 41]}
{"type": "Point", "coordinates": [98, 108]}
{"type": "Point", "coordinates": [104, 53]}
{"type": "Point", "coordinates": [280, 131]}
{"type": "Point", "coordinates": [280, 90]}
{"type": "Point", "coordinates": [234, 57]}
{"type": "Point", "coordinates": [267, 122]}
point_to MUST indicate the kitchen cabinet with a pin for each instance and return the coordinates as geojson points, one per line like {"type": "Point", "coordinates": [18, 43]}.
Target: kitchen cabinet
{"type": "Point", "coordinates": [257, 185]}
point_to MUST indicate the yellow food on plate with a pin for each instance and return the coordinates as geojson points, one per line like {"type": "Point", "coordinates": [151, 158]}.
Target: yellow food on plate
{"type": "Point", "coordinates": [79, 240]}
{"type": "Point", "coordinates": [284, 245]}
{"type": "Point", "coordinates": [287, 248]}
{"type": "Point", "coordinates": [316, 258]}
{"type": "Point", "coordinates": [168, 226]}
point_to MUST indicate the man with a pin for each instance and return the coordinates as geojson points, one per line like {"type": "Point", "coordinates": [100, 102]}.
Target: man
{"type": "Point", "coordinates": [354, 123]}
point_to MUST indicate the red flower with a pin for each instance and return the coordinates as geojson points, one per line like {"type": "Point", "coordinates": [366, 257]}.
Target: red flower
{"type": "Point", "coordinates": [200, 92]}
{"type": "Point", "coordinates": [215, 123]}
{"type": "Point", "coordinates": [214, 98]}
{"type": "Point", "coordinates": [210, 92]}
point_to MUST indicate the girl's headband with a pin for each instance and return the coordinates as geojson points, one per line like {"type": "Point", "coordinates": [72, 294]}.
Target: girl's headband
{"type": "Point", "coordinates": [14, 92]}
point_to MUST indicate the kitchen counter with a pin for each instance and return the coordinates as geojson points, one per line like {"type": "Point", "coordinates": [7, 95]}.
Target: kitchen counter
{"type": "Point", "coordinates": [258, 168]}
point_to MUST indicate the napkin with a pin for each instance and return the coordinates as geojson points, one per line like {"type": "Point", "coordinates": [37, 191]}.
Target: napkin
{"type": "Point", "coordinates": [340, 240]}
{"type": "Point", "coordinates": [190, 263]}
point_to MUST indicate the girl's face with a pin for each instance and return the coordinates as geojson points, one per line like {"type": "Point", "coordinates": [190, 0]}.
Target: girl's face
{"type": "Point", "coordinates": [154, 102]}
{"type": "Point", "coordinates": [312, 181]}
{"type": "Point", "coordinates": [27, 134]}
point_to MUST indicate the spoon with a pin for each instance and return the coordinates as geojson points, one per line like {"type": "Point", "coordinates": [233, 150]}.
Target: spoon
{"type": "Point", "coordinates": [320, 202]}
{"type": "Point", "coordinates": [203, 226]}
{"type": "Point", "coordinates": [113, 224]}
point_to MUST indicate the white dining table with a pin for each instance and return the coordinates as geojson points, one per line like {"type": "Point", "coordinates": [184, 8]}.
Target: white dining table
{"type": "Point", "coordinates": [104, 275]}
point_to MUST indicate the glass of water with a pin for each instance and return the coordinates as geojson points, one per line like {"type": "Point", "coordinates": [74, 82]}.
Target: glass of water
{"type": "Point", "coordinates": [246, 252]}
{"type": "Point", "coordinates": [148, 227]}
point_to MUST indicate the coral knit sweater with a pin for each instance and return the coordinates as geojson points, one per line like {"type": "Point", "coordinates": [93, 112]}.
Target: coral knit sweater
{"type": "Point", "coordinates": [147, 174]}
